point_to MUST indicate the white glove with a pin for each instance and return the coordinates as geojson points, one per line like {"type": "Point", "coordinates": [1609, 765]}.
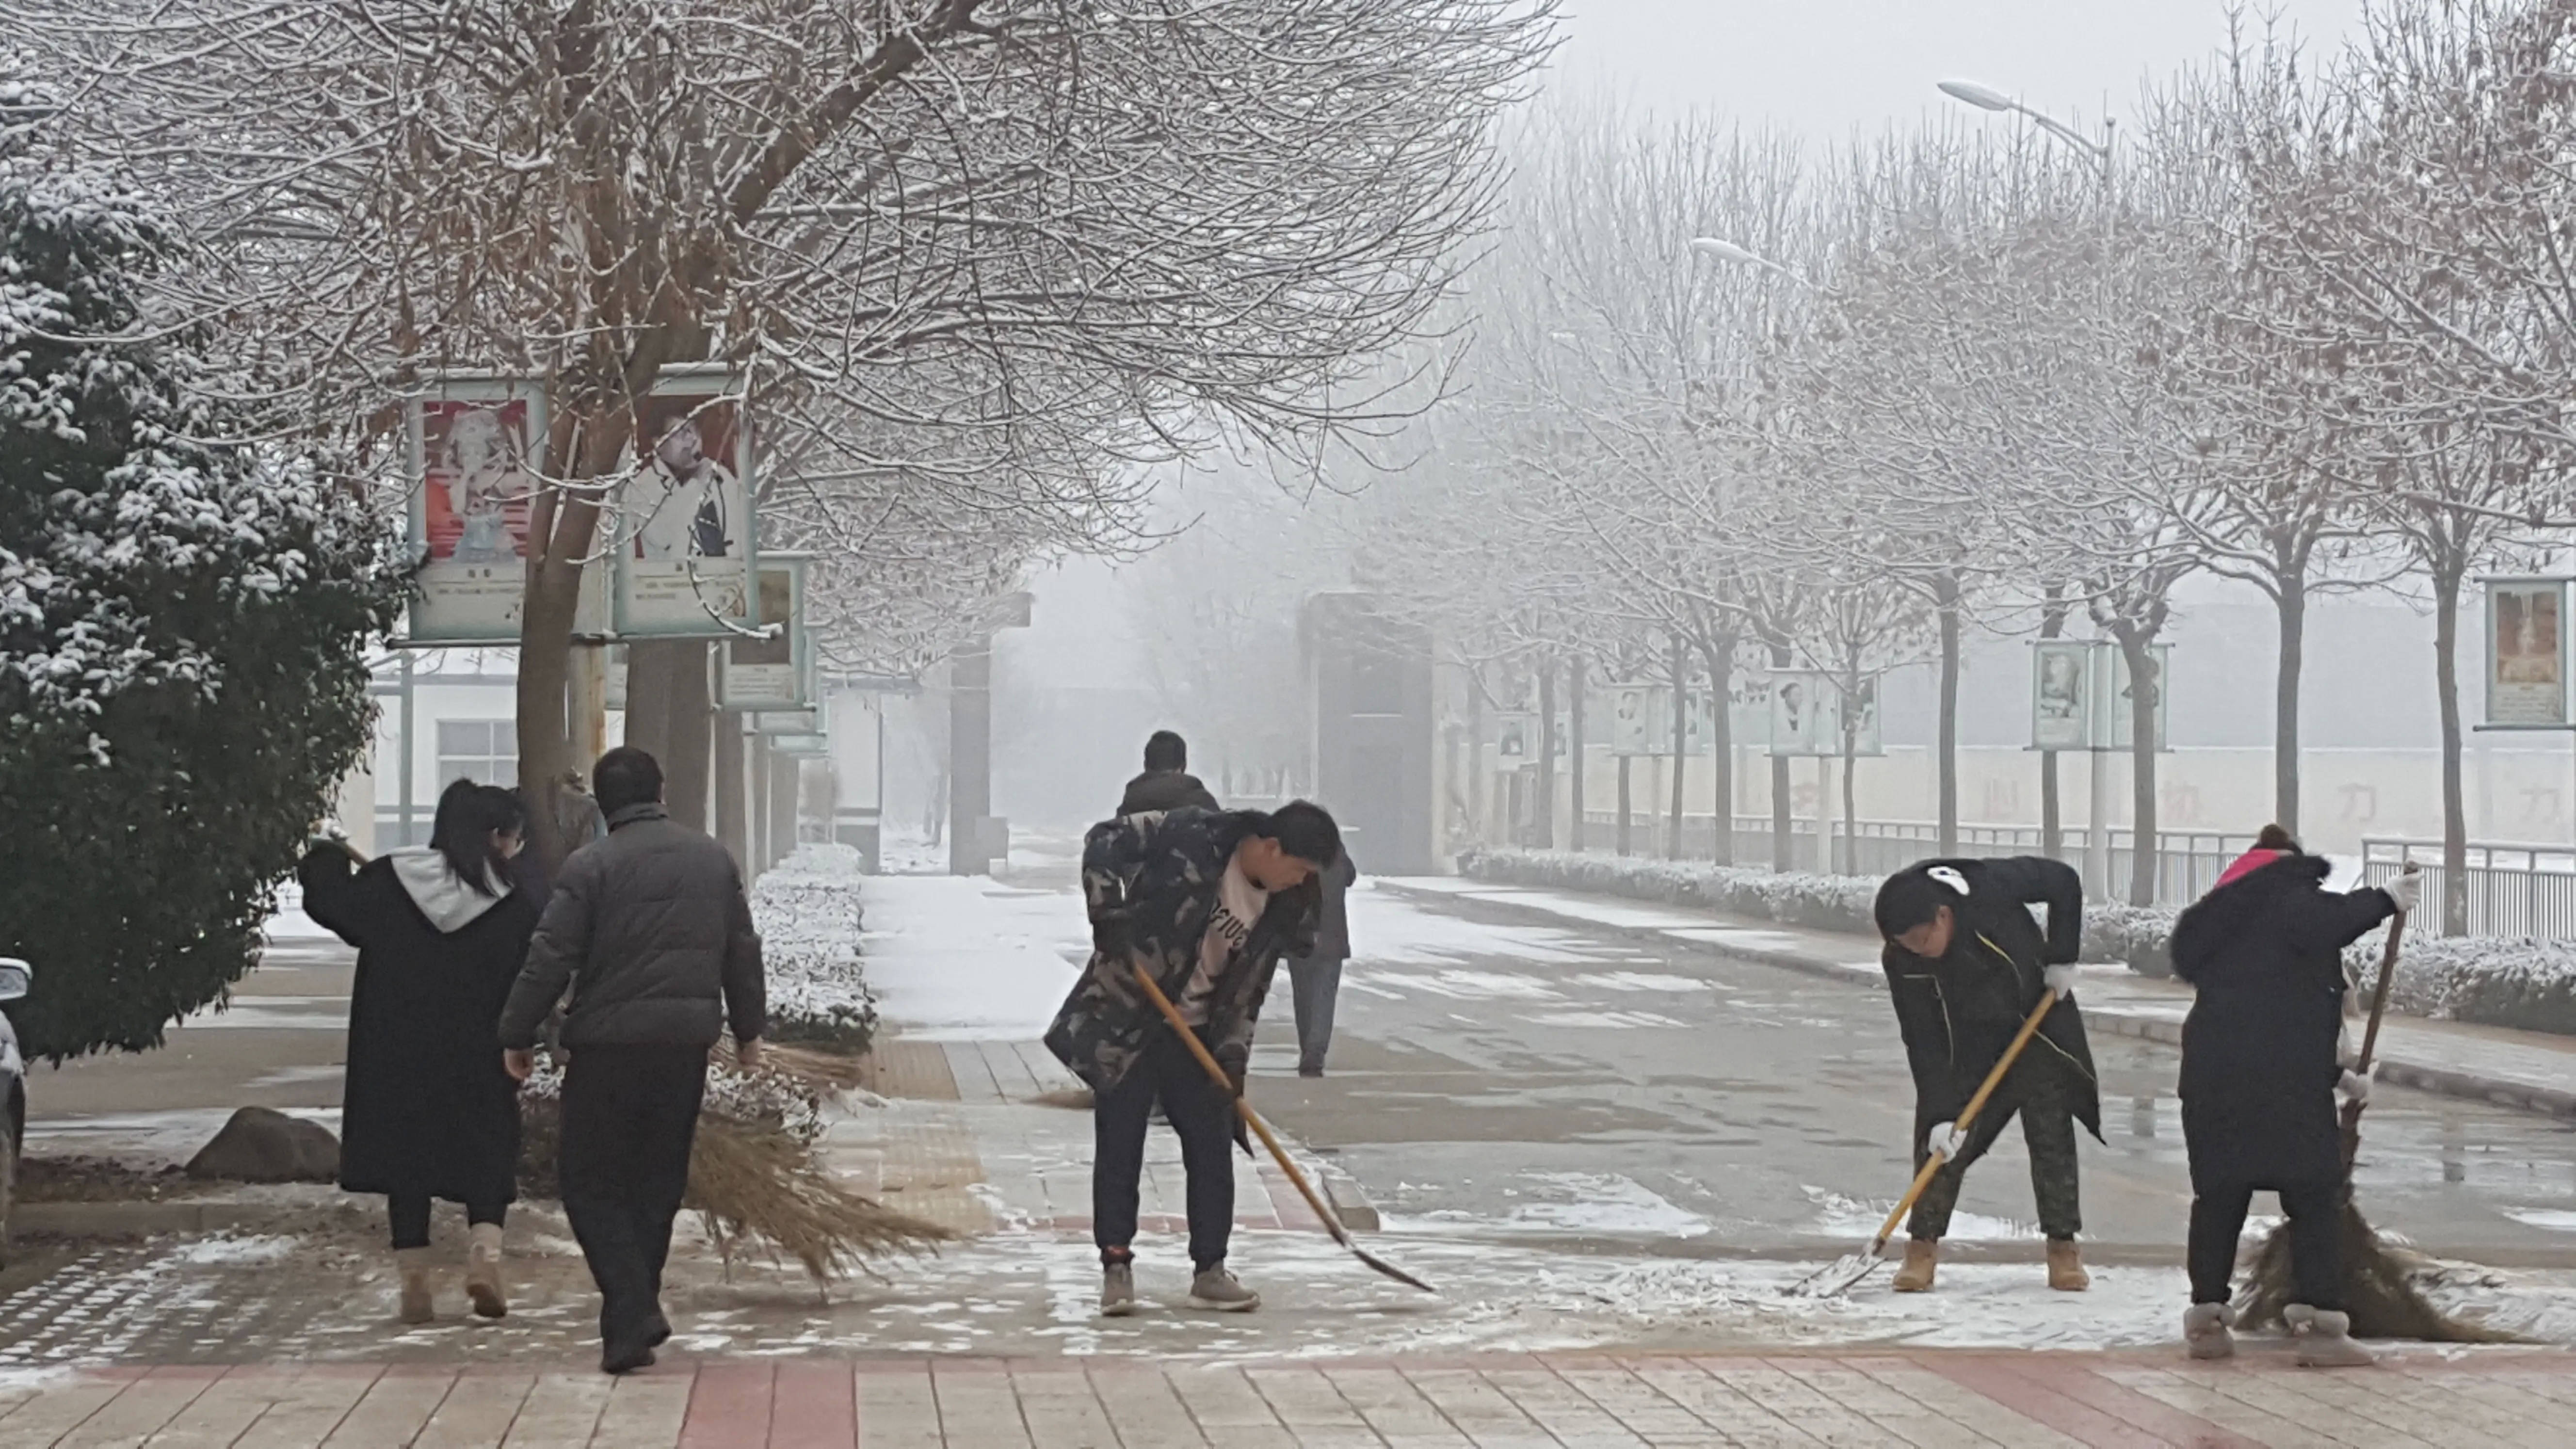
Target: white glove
{"type": "Point", "coordinates": [2356, 1087]}
{"type": "Point", "coordinates": [2060, 979]}
{"type": "Point", "coordinates": [2407, 890]}
{"type": "Point", "coordinates": [1943, 1141]}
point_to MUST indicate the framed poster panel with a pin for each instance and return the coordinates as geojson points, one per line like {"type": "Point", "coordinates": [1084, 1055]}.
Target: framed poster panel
{"type": "Point", "coordinates": [1639, 717]}
{"type": "Point", "coordinates": [787, 722]}
{"type": "Point", "coordinates": [2061, 694]}
{"type": "Point", "coordinates": [2526, 654]}
{"type": "Point", "coordinates": [1799, 710]}
{"type": "Point", "coordinates": [1516, 737]}
{"type": "Point", "coordinates": [2121, 706]}
{"type": "Point", "coordinates": [473, 446]}
{"type": "Point", "coordinates": [685, 528]}
{"type": "Point", "coordinates": [774, 672]}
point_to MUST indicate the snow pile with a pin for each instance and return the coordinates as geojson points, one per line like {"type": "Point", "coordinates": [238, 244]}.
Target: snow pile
{"type": "Point", "coordinates": [808, 912]}
{"type": "Point", "coordinates": [2482, 980]}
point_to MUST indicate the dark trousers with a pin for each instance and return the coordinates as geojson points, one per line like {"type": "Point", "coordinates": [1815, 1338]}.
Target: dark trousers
{"type": "Point", "coordinates": [1201, 1112]}
{"type": "Point", "coordinates": [1313, 982]}
{"type": "Point", "coordinates": [2315, 1211]}
{"type": "Point", "coordinates": [630, 1115]}
{"type": "Point", "coordinates": [2035, 1092]}
{"type": "Point", "coordinates": [410, 1215]}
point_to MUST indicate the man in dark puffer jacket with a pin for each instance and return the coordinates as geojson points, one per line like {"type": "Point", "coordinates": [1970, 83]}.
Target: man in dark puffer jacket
{"type": "Point", "coordinates": [651, 930]}
{"type": "Point", "coordinates": [1167, 783]}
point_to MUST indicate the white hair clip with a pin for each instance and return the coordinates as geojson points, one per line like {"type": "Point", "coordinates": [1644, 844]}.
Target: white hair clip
{"type": "Point", "coordinates": [1949, 876]}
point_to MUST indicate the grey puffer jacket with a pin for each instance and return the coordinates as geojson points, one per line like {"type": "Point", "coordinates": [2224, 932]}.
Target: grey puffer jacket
{"type": "Point", "coordinates": [651, 930]}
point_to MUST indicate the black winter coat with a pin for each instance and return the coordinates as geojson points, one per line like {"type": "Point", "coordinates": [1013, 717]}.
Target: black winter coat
{"type": "Point", "coordinates": [427, 1109]}
{"type": "Point", "coordinates": [2265, 954]}
{"type": "Point", "coordinates": [1164, 790]}
{"type": "Point", "coordinates": [1960, 1012]}
{"type": "Point", "coordinates": [651, 930]}
{"type": "Point", "coordinates": [1333, 929]}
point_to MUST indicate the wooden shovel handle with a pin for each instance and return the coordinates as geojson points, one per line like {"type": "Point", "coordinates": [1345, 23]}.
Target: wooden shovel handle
{"type": "Point", "coordinates": [1933, 1162]}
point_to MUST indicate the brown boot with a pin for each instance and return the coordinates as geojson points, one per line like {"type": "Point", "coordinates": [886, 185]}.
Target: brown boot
{"type": "Point", "coordinates": [483, 1272]}
{"type": "Point", "coordinates": [1922, 1255]}
{"type": "Point", "coordinates": [417, 1304]}
{"type": "Point", "coordinates": [2066, 1270]}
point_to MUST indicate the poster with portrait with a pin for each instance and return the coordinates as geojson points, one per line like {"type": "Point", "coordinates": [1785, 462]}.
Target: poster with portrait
{"type": "Point", "coordinates": [1854, 704]}
{"type": "Point", "coordinates": [1748, 709]}
{"type": "Point", "coordinates": [771, 672]}
{"type": "Point", "coordinates": [1514, 741]}
{"type": "Point", "coordinates": [2061, 694]}
{"type": "Point", "coordinates": [473, 451]}
{"type": "Point", "coordinates": [685, 530]}
{"type": "Point", "coordinates": [1799, 708]}
{"type": "Point", "coordinates": [2122, 705]}
{"type": "Point", "coordinates": [2527, 654]}
{"type": "Point", "coordinates": [1640, 717]}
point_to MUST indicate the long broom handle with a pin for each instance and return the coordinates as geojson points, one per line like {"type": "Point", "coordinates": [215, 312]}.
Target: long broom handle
{"type": "Point", "coordinates": [2350, 1120]}
{"type": "Point", "coordinates": [1332, 1221]}
{"type": "Point", "coordinates": [1933, 1162]}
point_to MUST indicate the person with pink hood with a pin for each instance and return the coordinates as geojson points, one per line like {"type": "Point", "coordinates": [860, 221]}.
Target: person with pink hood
{"type": "Point", "coordinates": [2264, 952]}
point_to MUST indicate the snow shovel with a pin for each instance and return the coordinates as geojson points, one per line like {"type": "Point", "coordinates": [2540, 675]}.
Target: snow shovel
{"type": "Point", "coordinates": [1323, 1210]}
{"type": "Point", "coordinates": [1844, 1273]}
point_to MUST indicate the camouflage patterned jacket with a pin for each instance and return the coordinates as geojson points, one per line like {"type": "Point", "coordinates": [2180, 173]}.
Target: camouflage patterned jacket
{"type": "Point", "coordinates": [1150, 882]}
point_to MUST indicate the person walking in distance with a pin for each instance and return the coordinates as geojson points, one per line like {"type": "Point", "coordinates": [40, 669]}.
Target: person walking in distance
{"type": "Point", "coordinates": [651, 930]}
{"type": "Point", "coordinates": [1207, 902]}
{"type": "Point", "coordinates": [2263, 952]}
{"type": "Point", "coordinates": [1167, 783]}
{"type": "Point", "coordinates": [1315, 979]}
{"type": "Point", "coordinates": [427, 1112]}
{"type": "Point", "coordinates": [1966, 964]}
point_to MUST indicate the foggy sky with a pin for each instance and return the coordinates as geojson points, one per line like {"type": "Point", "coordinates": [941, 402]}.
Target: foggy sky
{"type": "Point", "coordinates": [1826, 67]}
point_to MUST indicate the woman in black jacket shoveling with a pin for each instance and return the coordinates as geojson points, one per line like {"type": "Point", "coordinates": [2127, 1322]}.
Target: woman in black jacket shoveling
{"type": "Point", "coordinates": [428, 1112]}
{"type": "Point", "coordinates": [2264, 949]}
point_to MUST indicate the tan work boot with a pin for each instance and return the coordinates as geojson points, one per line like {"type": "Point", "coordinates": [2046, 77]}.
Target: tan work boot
{"type": "Point", "coordinates": [2065, 1269]}
{"type": "Point", "coordinates": [1922, 1255]}
{"type": "Point", "coordinates": [483, 1271]}
{"type": "Point", "coordinates": [2325, 1338]}
{"type": "Point", "coordinates": [417, 1304]}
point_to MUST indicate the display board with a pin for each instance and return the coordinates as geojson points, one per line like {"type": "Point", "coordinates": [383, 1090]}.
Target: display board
{"type": "Point", "coordinates": [2526, 654]}
{"type": "Point", "coordinates": [775, 672]}
{"type": "Point", "coordinates": [685, 526]}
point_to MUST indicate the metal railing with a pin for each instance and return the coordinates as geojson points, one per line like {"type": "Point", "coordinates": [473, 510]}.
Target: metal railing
{"type": "Point", "coordinates": [2514, 890]}
{"type": "Point", "coordinates": [2188, 862]}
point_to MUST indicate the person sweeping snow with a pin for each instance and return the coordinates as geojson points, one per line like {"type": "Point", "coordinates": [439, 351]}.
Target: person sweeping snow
{"type": "Point", "coordinates": [1966, 964]}
{"type": "Point", "coordinates": [2260, 1072]}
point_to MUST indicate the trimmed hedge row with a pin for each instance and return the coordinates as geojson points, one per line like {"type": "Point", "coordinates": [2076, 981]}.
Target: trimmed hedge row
{"type": "Point", "coordinates": [2486, 981]}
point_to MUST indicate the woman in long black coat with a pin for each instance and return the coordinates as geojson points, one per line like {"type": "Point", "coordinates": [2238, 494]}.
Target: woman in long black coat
{"type": "Point", "coordinates": [428, 1111]}
{"type": "Point", "coordinates": [2264, 950]}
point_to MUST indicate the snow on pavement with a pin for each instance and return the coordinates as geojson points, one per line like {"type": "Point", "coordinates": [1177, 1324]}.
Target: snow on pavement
{"type": "Point", "coordinates": [963, 958]}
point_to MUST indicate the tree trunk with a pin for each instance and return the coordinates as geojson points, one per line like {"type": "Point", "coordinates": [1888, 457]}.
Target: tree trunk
{"type": "Point", "coordinates": [1851, 770]}
{"type": "Point", "coordinates": [2293, 607]}
{"type": "Point", "coordinates": [649, 668]}
{"type": "Point", "coordinates": [2446, 685]}
{"type": "Point", "coordinates": [1479, 780]}
{"type": "Point", "coordinates": [1783, 838]}
{"type": "Point", "coordinates": [1946, 594]}
{"type": "Point", "coordinates": [1681, 745]}
{"type": "Point", "coordinates": [732, 825]}
{"type": "Point", "coordinates": [1625, 816]}
{"type": "Point", "coordinates": [2145, 687]}
{"type": "Point", "coordinates": [2052, 821]}
{"type": "Point", "coordinates": [1545, 829]}
{"type": "Point", "coordinates": [1574, 760]}
{"type": "Point", "coordinates": [684, 772]}
{"type": "Point", "coordinates": [1720, 654]}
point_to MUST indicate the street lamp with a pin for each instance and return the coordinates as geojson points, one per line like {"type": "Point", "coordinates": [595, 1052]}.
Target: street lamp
{"type": "Point", "coordinates": [1986, 98]}
{"type": "Point", "coordinates": [1726, 251]}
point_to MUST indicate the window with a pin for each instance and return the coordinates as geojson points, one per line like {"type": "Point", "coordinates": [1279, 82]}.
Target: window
{"type": "Point", "coordinates": [485, 751]}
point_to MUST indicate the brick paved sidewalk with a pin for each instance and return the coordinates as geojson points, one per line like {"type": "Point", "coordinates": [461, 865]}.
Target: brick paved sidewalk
{"type": "Point", "coordinates": [1566, 1401]}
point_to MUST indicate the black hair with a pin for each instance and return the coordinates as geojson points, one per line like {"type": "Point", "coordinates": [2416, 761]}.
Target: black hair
{"type": "Point", "coordinates": [625, 776]}
{"type": "Point", "coordinates": [1165, 750]}
{"type": "Point", "coordinates": [1908, 899]}
{"type": "Point", "coordinates": [1305, 830]}
{"type": "Point", "coordinates": [462, 829]}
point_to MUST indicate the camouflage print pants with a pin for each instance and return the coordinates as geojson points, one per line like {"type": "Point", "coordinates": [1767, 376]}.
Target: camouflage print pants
{"type": "Point", "coordinates": [2036, 1091]}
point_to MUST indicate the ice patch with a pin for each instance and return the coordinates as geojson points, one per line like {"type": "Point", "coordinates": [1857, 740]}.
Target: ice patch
{"type": "Point", "coordinates": [2556, 1220]}
{"type": "Point", "coordinates": [1471, 985]}
{"type": "Point", "coordinates": [1646, 981]}
{"type": "Point", "coordinates": [236, 1252]}
{"type": "Point", "coordinates": [1607, 1204]}
{"type": "Point", "coordinates": [1615, 1019]}
{"type": "Point", "coordinates": [1843, 1217]}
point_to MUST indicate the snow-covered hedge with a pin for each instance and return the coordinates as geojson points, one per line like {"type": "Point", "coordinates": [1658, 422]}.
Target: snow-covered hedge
{"type": "Point", "coordinates": [2487, 981]}
{"type": "Point", "coordinates": [808, 911]}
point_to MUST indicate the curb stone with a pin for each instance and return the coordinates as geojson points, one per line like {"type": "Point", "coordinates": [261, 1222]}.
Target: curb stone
{"type": "Point", "coordinates": [2423, 1077]}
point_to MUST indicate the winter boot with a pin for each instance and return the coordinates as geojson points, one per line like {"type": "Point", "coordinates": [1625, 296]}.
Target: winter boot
{"type": "Point", "coordinates": [1117, 1289]}
{"type": "Point", "coordinates": [2325, 1338]}
{"type": "Point", "coordinates": [418, 1303]}
{"type": "Point", "coordinates": [1218, 1289]}
{"type": "Point", "coordinates": [1922, 1255]}
{"type": "Point", "coordinates": [2204, 1328]}
{"type": "Point", "coordinates": [2065, 1268]}
{"type": "Point", "coordinates": [483, 1271]}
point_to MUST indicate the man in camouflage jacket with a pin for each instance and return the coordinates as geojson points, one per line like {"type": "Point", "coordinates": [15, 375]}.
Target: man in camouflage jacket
{"type": "Point", "coordinates": [1207, 902]}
